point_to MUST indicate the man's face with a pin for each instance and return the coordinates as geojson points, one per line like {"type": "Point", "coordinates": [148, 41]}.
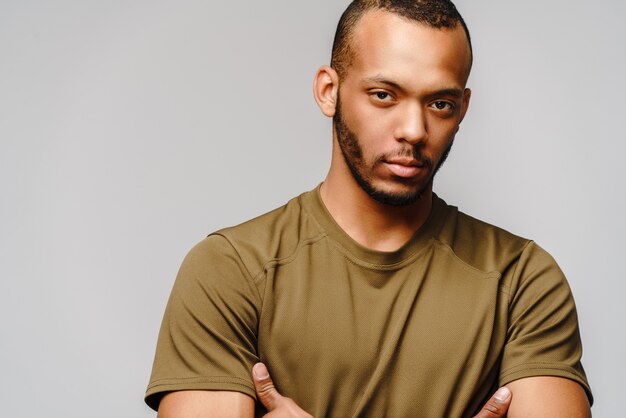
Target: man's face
{"type": "Point", "coordinates": [400, 104]}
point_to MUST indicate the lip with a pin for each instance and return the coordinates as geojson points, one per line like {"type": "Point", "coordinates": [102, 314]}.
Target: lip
{"type": "Point", "coordinates": [405, 168]}
{"type": "Point", "coordinates": [407, 162]}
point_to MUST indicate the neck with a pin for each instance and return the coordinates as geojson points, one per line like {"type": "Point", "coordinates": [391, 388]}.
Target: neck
{"type": "Point", "coordinates": [372, 224]}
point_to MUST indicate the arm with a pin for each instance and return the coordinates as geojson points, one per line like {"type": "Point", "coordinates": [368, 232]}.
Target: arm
{"type": "Point", "coordinates": [206, 404]}
{"type": "Point", "coordinates": [280, 406]}
{"type": "Point", "coordinates": [208, 337]}
{"type": "Point", "coordinates": [542, 357]}
{"type": "Point", "coordinates": [549, 397]}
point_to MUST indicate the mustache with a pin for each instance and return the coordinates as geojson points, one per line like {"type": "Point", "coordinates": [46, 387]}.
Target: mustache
{"type": "Point", "coordinates": [411, 153]}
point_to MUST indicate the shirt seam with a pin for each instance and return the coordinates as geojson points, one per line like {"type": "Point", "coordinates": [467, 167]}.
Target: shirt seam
{"type": "Point", "coordinates": [201, 379]}
{"type": "Point", "coordinates": [535, 366]}
{"type": "Point", "coordinates": [467, 266]}
{"type": "Point", "coordinates": [520, 284]}
{"type": "Point", "coordinates": [352, 258]}
{"type": "Point", "coordinates": [249, 277]}
{"type": "Point", "coordinates": [274, 262]}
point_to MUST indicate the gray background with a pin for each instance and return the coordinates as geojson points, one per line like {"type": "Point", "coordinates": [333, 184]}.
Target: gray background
{"type": "Point", "coordinates": [131, 129]}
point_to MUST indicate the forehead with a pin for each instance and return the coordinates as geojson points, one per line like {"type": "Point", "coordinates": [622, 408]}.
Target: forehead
{"type": "Point", "coordinates": [386, 44]}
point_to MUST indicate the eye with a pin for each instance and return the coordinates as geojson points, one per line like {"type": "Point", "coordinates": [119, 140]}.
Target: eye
{"type": "Point", "coordinates": [381, 95]}
{"type": "Point", "coordinates": [441, 105]}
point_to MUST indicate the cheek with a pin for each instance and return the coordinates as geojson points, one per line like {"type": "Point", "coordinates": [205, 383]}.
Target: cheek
{"type": "Point", "coordinates": [373, 128]}
{"type": "Point", "coordinates": [441, 132]}
{"type": "Point", "coordinates": [376, 140]}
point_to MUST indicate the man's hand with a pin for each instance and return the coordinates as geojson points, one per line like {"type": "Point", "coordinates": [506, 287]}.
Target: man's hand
{"type": "Point", "coordinates": [280, 406]}
{"type": "Point", "coordinates": [276, 404]}
{"type": "Point", "coordinates": [497, 405]}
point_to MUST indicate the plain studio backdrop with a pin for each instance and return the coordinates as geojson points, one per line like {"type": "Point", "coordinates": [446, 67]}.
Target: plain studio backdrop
{"type": "Point", "coordinates": [129, 130]}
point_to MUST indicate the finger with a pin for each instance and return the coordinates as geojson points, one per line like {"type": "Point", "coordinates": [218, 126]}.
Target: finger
{"type": "Point", "coordinates": [264, 386]}
{"type": "Point", "coordinates": [497, 405]}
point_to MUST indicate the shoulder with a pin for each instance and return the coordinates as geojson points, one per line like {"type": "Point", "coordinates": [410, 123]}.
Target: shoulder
{"type": "Point", "coordinates": [524, 267]}
{"type": "Point", "coordinates": [482, 245]}
{"type": "Point", "coordinates": [272, 236]}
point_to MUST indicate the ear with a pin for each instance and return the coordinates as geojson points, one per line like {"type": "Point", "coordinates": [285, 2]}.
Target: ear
{"type": "Point", "coordinates": [325, 90]}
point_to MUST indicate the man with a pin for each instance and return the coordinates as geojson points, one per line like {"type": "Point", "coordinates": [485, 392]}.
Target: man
{"type": "Point", "coordinates": [370, 296]}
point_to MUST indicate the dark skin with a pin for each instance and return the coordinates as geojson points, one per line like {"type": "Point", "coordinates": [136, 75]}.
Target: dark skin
{"type": "Point", "coordinates": [423, 112]}
{"type": "Point", "coordinates": [409, 111]}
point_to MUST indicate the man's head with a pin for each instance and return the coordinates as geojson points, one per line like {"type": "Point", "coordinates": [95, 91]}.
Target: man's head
{"type": "Point", "coordinates": [396, 92]}
{"type": "Point", "coordinates": [439, 14]}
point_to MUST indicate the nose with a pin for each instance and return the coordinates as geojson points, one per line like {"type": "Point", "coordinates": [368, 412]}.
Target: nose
{"type": "Point", "coordinates": [411, 124]}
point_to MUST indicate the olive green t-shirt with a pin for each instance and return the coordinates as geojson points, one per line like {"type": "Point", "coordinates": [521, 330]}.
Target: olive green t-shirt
{"type": "Point", "coordinates": [429, 330]}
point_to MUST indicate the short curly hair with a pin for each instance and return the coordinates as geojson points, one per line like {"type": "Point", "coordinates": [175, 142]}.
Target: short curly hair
{"type": "Point", "coordinates": [435, 13]}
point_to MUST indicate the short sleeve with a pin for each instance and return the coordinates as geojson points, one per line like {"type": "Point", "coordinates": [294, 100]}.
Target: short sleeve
{"type": "Point", "coordinates": [208, 337]}
{"type": "Point", "coordinates": [543, 338]}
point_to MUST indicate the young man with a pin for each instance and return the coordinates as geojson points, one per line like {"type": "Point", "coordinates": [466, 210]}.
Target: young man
{"type": "Point", "coordinates": [369, 296]}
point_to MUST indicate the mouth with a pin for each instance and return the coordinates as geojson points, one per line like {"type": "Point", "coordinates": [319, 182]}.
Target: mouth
{"type": "Point", "coordinates": [405, 167]}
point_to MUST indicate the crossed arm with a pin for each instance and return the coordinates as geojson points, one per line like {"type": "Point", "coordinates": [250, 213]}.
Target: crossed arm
{"type": "Point", "coordinates": [532, 397]}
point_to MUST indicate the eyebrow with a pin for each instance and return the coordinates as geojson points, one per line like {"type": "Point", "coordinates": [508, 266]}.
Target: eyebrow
{"type": "Point", "coordinates": [379, 79]}
{"type": "Point", "coordinates": [452, 91]}
{"type": "Point", "coordinates": [447, 91]}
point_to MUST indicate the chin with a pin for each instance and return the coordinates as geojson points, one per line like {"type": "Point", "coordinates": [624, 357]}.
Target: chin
{"type": "Point", "coordinates": [396, 196]}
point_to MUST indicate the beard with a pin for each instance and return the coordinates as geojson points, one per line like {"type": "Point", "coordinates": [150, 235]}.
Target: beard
{"type": "Point", "coordinates": [352, 152]}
